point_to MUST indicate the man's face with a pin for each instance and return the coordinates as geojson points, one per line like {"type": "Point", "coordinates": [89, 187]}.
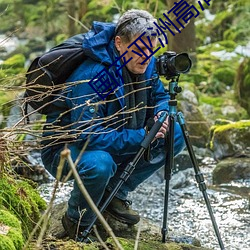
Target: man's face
{"type": "Point", "coordinates": [135, 65]}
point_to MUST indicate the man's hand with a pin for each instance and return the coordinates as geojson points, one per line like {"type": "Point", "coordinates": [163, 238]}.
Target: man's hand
{"type": "Point", "coordinates": [164, 128]}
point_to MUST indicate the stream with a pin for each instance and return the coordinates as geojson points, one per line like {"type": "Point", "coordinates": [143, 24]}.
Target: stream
{"type": "Point", "coordinates": [187, 212]}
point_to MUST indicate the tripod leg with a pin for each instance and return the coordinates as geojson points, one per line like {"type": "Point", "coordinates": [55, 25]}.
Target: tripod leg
{"type": "Point", "coordinates": [199, 177]}
{"type": "Point", "coordinates": [168, 173]}
{"type": "Point", "coordinates": [129, 169]}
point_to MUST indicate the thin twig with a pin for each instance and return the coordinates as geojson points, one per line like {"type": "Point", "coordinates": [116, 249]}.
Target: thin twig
{"type": "Point", "coordinates": [45, 217]}
{"type": "Point", "coordinates": [66, 154]}
{"type": "Point", "coordinates": [77, 21]}
{"type": "Point", "coordinates": [137, 236]}
{"type": "Point", "coordinates": [99, 238]}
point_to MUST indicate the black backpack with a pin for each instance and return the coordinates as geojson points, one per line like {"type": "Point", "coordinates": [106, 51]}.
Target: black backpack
{"type": "Point", "coordinates": [48, 73]}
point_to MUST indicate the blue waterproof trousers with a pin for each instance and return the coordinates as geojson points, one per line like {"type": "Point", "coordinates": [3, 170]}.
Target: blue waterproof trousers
{"type": "Point", "coordinates": [99, 171]}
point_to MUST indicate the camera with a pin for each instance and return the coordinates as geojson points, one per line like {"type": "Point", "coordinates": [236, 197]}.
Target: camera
{"type": "Point", "coordinates": [172, 65]}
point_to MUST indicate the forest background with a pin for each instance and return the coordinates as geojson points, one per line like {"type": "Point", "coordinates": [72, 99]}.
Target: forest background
{"type": "Point", "coordinates": [217, 41]}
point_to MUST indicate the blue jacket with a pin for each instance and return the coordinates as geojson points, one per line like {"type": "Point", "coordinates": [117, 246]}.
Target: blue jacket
{"type": "Point", "coordinates": [84, 104]}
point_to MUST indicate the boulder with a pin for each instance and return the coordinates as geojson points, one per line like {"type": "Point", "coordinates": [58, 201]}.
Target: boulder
{"type": "Point", "coordinates": [197, 125]}
{"type": "Point", "coordinates": [231, 169]}
{"type": "Point", "coordinates": [232, 139]}
{"type": "Point", "coordinates": [150, 235]}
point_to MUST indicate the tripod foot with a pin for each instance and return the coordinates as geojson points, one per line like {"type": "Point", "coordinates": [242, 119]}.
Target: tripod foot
{"type": "Point", "coordinates": [164, 232]}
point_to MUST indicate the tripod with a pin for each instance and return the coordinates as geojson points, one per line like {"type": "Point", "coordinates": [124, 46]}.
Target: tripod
{"type": "Point", "coordinates": [173, 90]}
{"type": "Point", "coordinates": [129, 169]}
{"type": "Point", "coordinates": [169, 163]}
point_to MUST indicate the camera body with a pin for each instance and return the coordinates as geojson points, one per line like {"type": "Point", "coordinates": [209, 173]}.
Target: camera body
{"type": "Point", "coordinates": [171, 65]}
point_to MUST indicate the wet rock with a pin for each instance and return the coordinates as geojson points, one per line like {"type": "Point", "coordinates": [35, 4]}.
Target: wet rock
{"type": "Point", "coordinates": [190, 96]}
{"type": "Point", "coordinates": [31, 167]}
{"type": "Point", "coordinates": [181, 179]}
{"type": "Point", "coordinates": [149, 238]}
{"type": "Point", "coordinates": [232, 139]}
{"type": "Point", "coordinates": [231, 169]}
{"type": "Point", "coordinates": [197, 125]}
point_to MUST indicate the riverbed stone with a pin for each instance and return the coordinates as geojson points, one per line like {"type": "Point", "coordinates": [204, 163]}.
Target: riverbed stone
{"type": "Point", "coordinates": [231, 169]}
{"type": "Point", "coordinates": [232, 139]}
{"type": "Point", "coordinates": [150, 234]}
{"type": "Point", "coordinates": [197, 125]}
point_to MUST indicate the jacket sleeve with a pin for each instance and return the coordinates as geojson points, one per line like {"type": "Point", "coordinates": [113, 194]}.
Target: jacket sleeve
{"type": "Point", "coordinates": [88, 121]}
{"type": "Point", "coordinates": [159, 95]}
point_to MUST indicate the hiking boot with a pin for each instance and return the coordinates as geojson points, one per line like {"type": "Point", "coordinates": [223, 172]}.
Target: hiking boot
{"type": "Point", "coordinates": [75, 231]}
{"type": "Point", "coordinates": [121, 211]}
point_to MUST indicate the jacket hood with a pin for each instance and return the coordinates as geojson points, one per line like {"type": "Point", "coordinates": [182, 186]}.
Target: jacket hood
{"type": "Point", "coordinates": [98, 43]}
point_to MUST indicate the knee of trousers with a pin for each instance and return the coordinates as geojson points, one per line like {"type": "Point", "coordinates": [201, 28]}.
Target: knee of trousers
{"type": "Point", "coordinates": [179, 142]}
{"type": "Point", "coordinates": [97, 165]}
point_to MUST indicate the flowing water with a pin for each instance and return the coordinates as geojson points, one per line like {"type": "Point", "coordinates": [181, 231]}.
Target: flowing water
{"type": "Point", "coordinates": [187, 212]}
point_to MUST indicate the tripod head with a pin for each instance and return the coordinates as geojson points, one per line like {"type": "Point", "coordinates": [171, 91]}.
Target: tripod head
{"type": "Point", "coordinates": [174, 89]}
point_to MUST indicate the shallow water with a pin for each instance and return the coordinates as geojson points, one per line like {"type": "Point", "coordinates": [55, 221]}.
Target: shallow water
{"type": "Point", "coordinates": [188, 215]}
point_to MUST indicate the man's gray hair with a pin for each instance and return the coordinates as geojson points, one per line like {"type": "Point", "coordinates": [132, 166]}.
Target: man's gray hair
{"type": "Point", "coordinates": [135, 22]}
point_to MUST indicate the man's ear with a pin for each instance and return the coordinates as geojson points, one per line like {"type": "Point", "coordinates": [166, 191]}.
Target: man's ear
{"type": "Point", "coordinates": [118, 42]}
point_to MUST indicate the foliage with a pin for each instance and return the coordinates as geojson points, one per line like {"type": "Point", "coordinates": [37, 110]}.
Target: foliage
{"type": "Point", "coordinates": [12, 68]}
{"type": "Point", "coordinates": [22, 200]}
{"type": "Point", "coordinates": [242, 84]}
{"type": "Point", "coordinates": [230, 21]}
{"type": "Point", "coordinates": [224, 75]}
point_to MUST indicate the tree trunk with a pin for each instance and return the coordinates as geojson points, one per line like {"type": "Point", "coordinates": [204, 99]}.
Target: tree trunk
{"type": "Point", "coordinates": [184, 41]}
{"type": "Point", "coordinates": [72, 13]}
{"type": "Point", "coordinates": [83, 7]}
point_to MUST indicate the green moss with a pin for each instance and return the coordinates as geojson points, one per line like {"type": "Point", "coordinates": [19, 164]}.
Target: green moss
{"type": "Point", "coordinates": [22, 200]}
{"type": "Point", "coordinates": [14, 234]}
{"type": "Point", "coordinates": [9, 219]}
{"type": "Point", "coordinates": [214, 101]}
{"type": "Point", "coordinates": [239, 128]}
{"type": "Point", "coordinates": [16, 237]}
{"type": "Point", "coordinates": [220, 24]}
{"type": "Point", "coordinates": [219, 102]}
{"type": "Point", "coordinates": [234, 34]}
{"type": "Point", "coordinates": [6, 243]}
{"type": "Point", "coordinates": [128, 244]}
{"type": "Point", "coordinates": [242, 84]}
{"type": "Point", "coordinates": [224, 75]}
{"type": "Point", "coordinates": [236, 125]}
{"type": "Point", "coordinates": [60, 38]}
{"type": "Point", "coordinates": [16, 61]}
{"type": "Point", "coordinates": [229, 45]}
{"type": "Point", "coordinates": [13, 71]}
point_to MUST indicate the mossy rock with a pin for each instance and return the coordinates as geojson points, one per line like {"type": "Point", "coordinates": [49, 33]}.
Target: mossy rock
{"type": "Point", "coordinates": [225, 75]}
{"type": "Point", "coordinates": [13, 70]}
{"type": "Point", "coordinates": [242, 84]}
{"type": "Point", "coordinates": [228, 45]}
{"type": "Point", "coordinates": [128, 244]}
{"type": "Point", "coordinates": [232, 139]}
{"type": "Point", "coordinates": [10, 231]}
{"type": "Point", "coordinates": [221, 107]}
{"type": "Point", "coordinates": [231, 169]}
{"type": "Point", "coordinates": [150, 235]}
{"type": "Point", "coordinates": [22, 200]}
{"type": "Point", "coordinates": [16, 61]}
{"type": "Point", "coordinates": [197, 125]}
